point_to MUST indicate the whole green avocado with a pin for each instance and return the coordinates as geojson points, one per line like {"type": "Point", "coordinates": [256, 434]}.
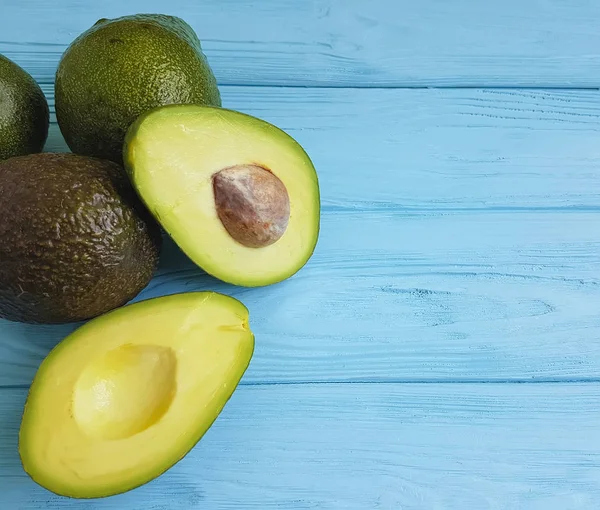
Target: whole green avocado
{"type": "Point", "coordinates": [76, 241]}
{"type": "Point", "coordinates": [121, 67]}
{"type": "Point", "coordinates": [24, 114]}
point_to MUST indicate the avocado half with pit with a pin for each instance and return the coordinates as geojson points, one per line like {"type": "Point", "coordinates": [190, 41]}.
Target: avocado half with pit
{"type": "Point", "coordinates": [128, 394]}
{"type": "Point", "coordinates": [237, 194]}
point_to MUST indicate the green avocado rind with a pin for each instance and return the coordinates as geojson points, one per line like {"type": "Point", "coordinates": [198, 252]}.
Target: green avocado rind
{"type": "Point", "coordinates": [148, 306]}
{"type": "Point", "coordinates": [76, 239]}
{"type": "Point", "coordinates": [121, 67]}
{"type": "Point", "coordinates": [24, 112]}
{"type": "Point", "coordinates": [192, 245]}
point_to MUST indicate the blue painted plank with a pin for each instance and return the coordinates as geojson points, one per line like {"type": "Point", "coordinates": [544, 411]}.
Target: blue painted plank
{"type": "Point", "coordinates": [495, 446]}
{"type": "Point", "coordinates": [459, 241]}
{"type": "Point", "coordinates": [433, 151]}
{"type": "Point", "coordinates": [471, 254]}
{"type": "Point", "coordinates": [379, 43]}
{"type": "Point", "coordinates": [395, 297]}
{"type": "Point", "coordinates": [459, 244]}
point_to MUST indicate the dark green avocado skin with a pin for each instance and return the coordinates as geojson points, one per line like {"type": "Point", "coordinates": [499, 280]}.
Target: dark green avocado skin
{"type": "Point", "coordinates": [24, 114]}
{"type": "Point", "coordinates": [122, 67]}
{"type": "Point", "coordinates": [76, 241]}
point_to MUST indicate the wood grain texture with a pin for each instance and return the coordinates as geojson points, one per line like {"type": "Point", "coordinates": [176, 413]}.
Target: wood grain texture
{"type": "Point", "coordinates": [356, 446]}
{"type": "Point", "coordinates": [505, 43]}
{"type": "Point", "coordinates": [472, 254]}
{"type": "Point", "coordinates": [407, 298]}
{"type": "Point", "coordinates": [459, 255]}
{"type": "Point", "coordinates": [437, 150]}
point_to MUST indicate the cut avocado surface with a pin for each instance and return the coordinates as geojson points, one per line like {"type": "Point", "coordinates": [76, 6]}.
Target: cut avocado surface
{"type": "Point", "coordinates": [128, 394]}
{"type": "Point", "coordinates": [238, 195]}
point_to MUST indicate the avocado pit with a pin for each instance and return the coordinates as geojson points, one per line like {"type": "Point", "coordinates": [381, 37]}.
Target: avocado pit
{"type": "Point", "coordinates": [252, 204]}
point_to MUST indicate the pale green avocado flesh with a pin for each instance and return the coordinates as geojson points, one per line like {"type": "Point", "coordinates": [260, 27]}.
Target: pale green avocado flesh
{"type": "Point", "coordinates": [127, 395]}
{"type": "Point", "coordinates": [175, 155]}
{"type": "Point", "coordinates": [172, 155]}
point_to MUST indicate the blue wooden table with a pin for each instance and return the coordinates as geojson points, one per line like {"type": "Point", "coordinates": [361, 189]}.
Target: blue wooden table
{"type": "Point", "coordinates": [441, 350]}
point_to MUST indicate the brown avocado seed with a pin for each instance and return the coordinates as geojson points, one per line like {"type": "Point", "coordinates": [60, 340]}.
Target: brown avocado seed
{"type": "Point", "coordinates": [252, 203]}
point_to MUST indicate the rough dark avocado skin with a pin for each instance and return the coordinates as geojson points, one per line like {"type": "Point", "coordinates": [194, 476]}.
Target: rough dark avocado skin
{"type": "Point", "coordinates": [121, 67]}
{"type": "Point", "coordinates": [76, 241]}
{"type": "Point", "coordinates": [24, 114]}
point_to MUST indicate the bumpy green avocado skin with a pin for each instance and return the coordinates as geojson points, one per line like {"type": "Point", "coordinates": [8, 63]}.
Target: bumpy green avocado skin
{"type": "Point", "coordinates": [24, 114]}
{"type": "Point", "coordinates": [76, 241]}
{"type": "Point", "coordinates": [121, 67]}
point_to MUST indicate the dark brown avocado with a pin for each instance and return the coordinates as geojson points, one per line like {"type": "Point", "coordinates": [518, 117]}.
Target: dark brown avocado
{"type": "Point", "coordinates": [76, 240]}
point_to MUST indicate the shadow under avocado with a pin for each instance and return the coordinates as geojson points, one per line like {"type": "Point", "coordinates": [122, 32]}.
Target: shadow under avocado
{"type": "Point", "coordinates": [172, 258]}
{"type": "Point", "coordinates": [24, 346]}
{"type": "Point", "coordinates": [177, 273]}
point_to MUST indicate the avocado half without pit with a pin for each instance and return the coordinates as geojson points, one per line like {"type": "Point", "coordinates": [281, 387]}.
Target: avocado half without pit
{"type": "Point", "coordinates": [127, 395]}
{"type": "Point", "coordinates": [237, 194]}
